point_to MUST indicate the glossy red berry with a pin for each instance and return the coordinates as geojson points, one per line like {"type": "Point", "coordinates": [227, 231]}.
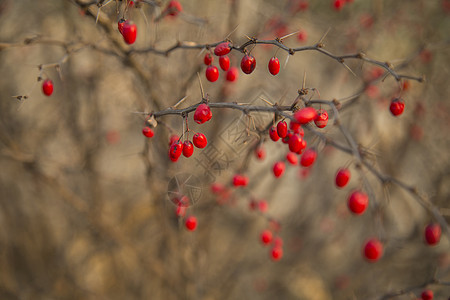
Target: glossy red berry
{"type": "Point", "coordinates": [174, 8]}
{"type": "Point", "coordinates": [222, 49]}
{"type": "Point", "coordinates": [292, 158]}
{"type": "Point", "coordinates": [263, 206]}
{"type": "Point", "coordinates": [322, 118]}
{"type": "Point", "coordinates": [173, 139]}
{"type": "Point", "coordinates": [266, 237]}
{"type": "Point", "coordinates": [274, 66]}
{"type": "Point", "coordinates": [295, 143]}
{"type": "Point", "coordinates": [248, 64]}
{"type": "Point", "coordinates": [175, 151]}
{"type": "Point", "coordinates": [278, 169]}
{"type": "Point", "coordinates": [433, 234]}
{"type": "Point", "coordinates": [342, 177]}
{"type": "Point", "coordinates": [47, 87]}
{"type": "Point", "coordinates": [427, 295]}
{"type": "Point", "coordinates": [212, 73]}
{"type": "Point", "coordinates": [282, 129]}
{"type": "Point", "coordinates": [338, 4]}
{"type": "Point", "coordinates": [397, 106]}
{"type": "Point", "coordinates": [208, 59]}
{"type": "Point", "coordinates": [232, 74]}
{"type": "Point", "coordinates": [308, 158]}
{"type": "Point", "coordinates": [373, 250]}
{"type": "Point", "coordinates": [200, 140]}
{"type": "Point", "coordinates": [202, 114]}
{"type": "Point", "coordinates": [147, 131]}
{"type": "Point", "coordinates": [276, 253]}
{"type": "Point", "coordinates": [120, 25]}
{"type": "Point", "coordinates": [240, 180]}
{"type": "Point", "coordinates": [294, 126]}
{"type": "Point", "coordinates": [224, 62]}
{"type": "Point", "coordinates": [288, 136]}
{"type": "Point", "coordinates": [180, 211]}
{"type": "Point", "coordinates": [274, 134]}
{"type": "Point", "coordinates": [358, 202]}
{"type": "Point", "coordinates": [305, 115]}
{"type": "Point", "coordinates": [260, 152]}
{"type": "Point", "coordinates": [188, 148]}
{"type": "Point", "coordinates": [129, 32]}
{"type": "Point", "coordinates": [191, 223]}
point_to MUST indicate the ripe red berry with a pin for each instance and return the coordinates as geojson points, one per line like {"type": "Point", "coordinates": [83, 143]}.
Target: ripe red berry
{"type": "Point", "coordinates": [248, 64]}
{"type": "Point", "coordinates": [173, 139]}
{"type": "Point", "coordinates": [282, 129]}
{"type": "Point", "coordinates": [274, 66]}
{"type": "Point", "coordinates": [433, 234]}
{"type": "Point", "coordinates": [263, 206]}
{"type": "Point", "coordinates": [338, 4]}
{"type": "Point", "coordinates": [276, 253]}
{"type": "Point", "coordinates": [240, 180]}
{"type": "Point", "coordinates": [174, 8]}
{"type": "Point", "coordinates": [180, 211]}
{"type": "Point", "coordinates": [295, 143]}
{"type": "Point", "coordinates": [373, 250]}
{"type": "Point", "coordinates": [200, 140]}
{"type": "Point", "coordinates": [305, 115]}
{"type": "Point", "coordinates": [294, 126]}
{"type": "Point", "coordinates": [260, 152]}
{"type": "Point", "coordinates": [302, 36]}
{"type": "Point", "coordinates": [278, 169]}
{"type": "Point", "coordinates": [47, 87]}
{"type": "Point", "coordinates": [188, 148]}
{"type": "Point", "coordinates": [147, 131]}
{"type": "Point", "coordinates": [129, 32]}
{"type": "Point", "coordinates": [175, 151]}
{"type": "Point", "coordinates": [322, 118]}
{"type": "Point", "coordinates": [342, 177]}
{"type": "Point", "coordinates": [120, 25]}
{"type": "Point", "coordinates": [208, 59]}
{"type": "Point", "coordinates": [308, 157]}
{"type": "Point", "coordinates": [266, 237]}
{"type": "Point", "coordinates": [222, 49]}
{"type": "Point", "coordinates": [288, 136]}
{"type": "Point", "coordinates": [232, 74]}
{"type": "Point", "coordinates": [274, 134]}
{"type": "Point", "coordinates": [191, 223]}
{"type": "Point", "coordinates": [224, 62]}
{"type": "Point", "coordinates": [292, 158]}
{"type": "Point", "coordinates": [358, 202]}
{"type": "Point", "coordinates": [202, 114]}
{"type": "Point", "coordinates": [427, 295]}
{"type": "Point", "coordinates": [397, 106]}
{"type": "Point", "coordinates": [212, 73]}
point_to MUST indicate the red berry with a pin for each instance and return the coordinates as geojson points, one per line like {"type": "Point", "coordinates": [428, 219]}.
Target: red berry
{"type": "Point", "coordinates": [397, 106]}
{"type": "Point", "coordinates": [358, 202]}
{"type": "Point", "coordinates": [129, 32]}
{"type": "Point", "coordinates": [305, 115]}
{"type": "Point", "coordinates": [232, 74]}
{"type": "Point", "coordinates": [212, 73]}
{"type": "Point", "coordinates": [263, 206]}
{"type": "Point", "coordinates": [295, 143]}
{"type": "Point", "coordinates": [202, 114]}
{"type": "Point", "coordinates": [372, 91]}
{"type": "Point", "coordinates": [208, 59]}
{"type": "Point", "coordinates": [47, 87]}
{"type": "Point", "coordinates": [191, 223]}
{"type": "Point", "coordinates": [222, 49]}
{"type": "Point", "coordinates": [288, 136]}
{"type": "Point", "coordinates": [302, 36]}
{"type": "Point", "coordinates": [308, 157]}
{"type": "Point", "coordinates": [173, 139]}
{"type": "Point", "coordinates": [266, 237]}
{"type": "Point", "coordinates": [224, 62]}
{"type": "Point", "coordinates": [427, 295]}
{"type": "Point", "coordinates": [248, 64]}
{"type": "Point", "coordinates": [274, 134]}
{"type": "Point", "coordinates": [302, 5]}
{"type": "Point", "coordinates": [282, 129]}
{"type": "Point", "coordinates": [278, 169]}
{"type": "Point", "coordinates": [373, 249]}
{"type": "Point", "coordinates": [292, 158]}
{"type": "Point", "coordinates": [260, 152]}
{"type": "Point", "coordinates": [120, 25]}
{"type": "Point", "coordinates": [174, 8]}
{"type": "Point", "coordinates": [276, 253]}
{"type": "Point", "coordinates": [147, 131]}
{"type": "Point", "coordinates": [240, 180]}
{"type": "Point", "coordinates": [294, 126]}
{"type": "Point", "coordinates": [180, 211]}
{"type": "Point", "coordinates": [175, 151]}
{"type": "Point", "coordinates": [433, 234]}
{"type": "Point", "coordinates": [200, 140]}
{"type": "Point", "coordinates": [338, 4]}
{"type": "Point", "coordinates": [274, 66]}
{"type": "Point", "coordinates": [278, 242]}
{"type": "Point", "coordinates": [342, 177]}
{"type": "Point", "coordinates": [322, 118]}
{"type": "Point", "coordinates": [188, 148]}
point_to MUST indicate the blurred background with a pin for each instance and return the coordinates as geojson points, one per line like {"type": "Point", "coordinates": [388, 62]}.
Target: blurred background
{"type": "Point", "coordinates": [85, 199]}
